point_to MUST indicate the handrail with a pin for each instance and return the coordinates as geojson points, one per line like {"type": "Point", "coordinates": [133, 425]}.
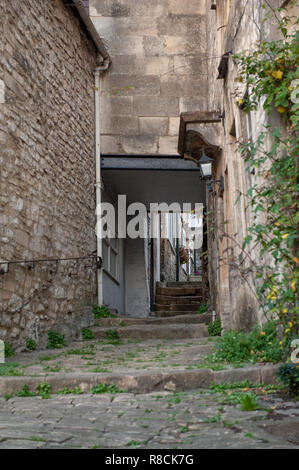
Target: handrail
{"type": "Point", "coordinates": [49, 260]}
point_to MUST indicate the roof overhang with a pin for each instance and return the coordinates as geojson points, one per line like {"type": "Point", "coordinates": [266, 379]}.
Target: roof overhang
{"type": "Point", "coordinates": [90, 29]}
{"type": "Point", "coordinates": [147, 162]}
{"type": "Point", "coordinates": [153, 179]}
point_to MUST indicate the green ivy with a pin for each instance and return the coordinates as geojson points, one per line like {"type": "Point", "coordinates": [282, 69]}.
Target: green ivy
{"type": "Point", "coordinates": [271, 75]}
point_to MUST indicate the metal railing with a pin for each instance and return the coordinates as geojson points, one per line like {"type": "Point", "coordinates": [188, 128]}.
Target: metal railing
{"type": "Point", "coordinates": [96, 262]}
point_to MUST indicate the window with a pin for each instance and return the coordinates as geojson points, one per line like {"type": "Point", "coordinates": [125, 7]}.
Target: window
{"type": "Point", "coordinates": [109, 255]}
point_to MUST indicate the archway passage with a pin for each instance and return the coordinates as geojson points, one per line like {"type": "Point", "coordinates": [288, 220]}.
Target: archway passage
{"type": "Point", "coordinates": [169, 180]}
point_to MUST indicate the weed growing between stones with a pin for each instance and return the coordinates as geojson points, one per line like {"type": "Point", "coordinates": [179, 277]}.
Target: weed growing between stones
{"type": "Point", "coordinates": [260, 345]}
{"type": "Point", "coordinates": [113, 336]}
{"type": "Point", "coordinates": [100, 370]}
{"type": "Point", "coordinates": [249, 402]}
{"type": "Point", "coordinates": [11, 370]}
{"type": "Point", "coordinates": [30, 344]}
{"type": "Point", "coordinates": [55, 340]}
{"type": "Point", "coordinates": [288, 374]}
{"type": "Point", "coordinates": [37, 439]}
{"type": "Point", "coordinates": [136, 443]}
{"type": "Point", "coordinates": [87, 334]}
{"type": "Point", "coordinates": [203, 308]}
{"type": "Point", "coordinates": [214, 328]}
{"type": "Point", "coordinates": [104, 388]}
{"type": "Point", "coordinates": [25, 392]}
{"type": "Point", "coordinates": [241, 393]}
{"type": "Point", "coordinates": [8, 350]}
{"type": "Point", "coordinates": [86, 351]}
{"type": "Point", "coordinates": [52, 369]}
{"type": "Point", "coordinates": [67, 391]}
{"type": "Point", "coordinates": [102, 312]}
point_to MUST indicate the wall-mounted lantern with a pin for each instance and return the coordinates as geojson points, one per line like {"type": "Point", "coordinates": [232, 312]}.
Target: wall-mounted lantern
{"type": "Point", "coordinates": [205, 167]}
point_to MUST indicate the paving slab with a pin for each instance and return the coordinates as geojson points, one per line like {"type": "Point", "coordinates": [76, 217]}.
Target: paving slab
{"type": "Point", "coordinates": [194, 420]}
{"type": "Point", "coordinates": [163, 396]}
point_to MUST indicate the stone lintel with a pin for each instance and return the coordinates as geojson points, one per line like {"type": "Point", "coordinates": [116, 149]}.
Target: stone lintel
{"type": "Point", "coordinates": [204, 117]}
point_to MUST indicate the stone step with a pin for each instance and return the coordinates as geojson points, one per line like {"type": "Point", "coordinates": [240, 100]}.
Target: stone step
{"type": "Point", "coordinates": [171, 299]}
{"type": "Point", "coordinates": [177, 291]}
{"type": "Point", "coordinates": [177, 307]}
{"type": "Point", "coordinates": [145, 381]}
{"type": "Point", "coordinates": [206, 317]}
{"type": "Point", "coordinates": [181, 284]}
{"type": "Point", "coordinates": [164, 331]}
{"type": "Point", "coordinates": [182, 317]}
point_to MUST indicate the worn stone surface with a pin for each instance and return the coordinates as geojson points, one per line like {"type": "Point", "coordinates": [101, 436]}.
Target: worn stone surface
{"type": "Point", "coordinates": [47, 196]}
{"type": "Point", "coordinates": [163, 397]}
{"type": "Point", "coordinates": [138, 359]}
{"type": "Point", "coordinates": [166, 420]}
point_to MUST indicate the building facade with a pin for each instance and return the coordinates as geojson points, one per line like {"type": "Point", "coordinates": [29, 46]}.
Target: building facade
{"type": "Point", "coordinates": [169, 93]}
{"type": "Point", "coordinates": [47, 174]}
{"type": "Point", "coordinates": [234, 27]}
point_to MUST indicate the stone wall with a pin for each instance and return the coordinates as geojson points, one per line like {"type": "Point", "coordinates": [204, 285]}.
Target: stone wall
{"type": "Point", "coordinates": [47, 197]}
{"type": "Point", "coordinates": [168, 263]}
{"type": "Point", "coordinates": [234, 27]}
{"type": "Point", "coordinates": [158, 71]}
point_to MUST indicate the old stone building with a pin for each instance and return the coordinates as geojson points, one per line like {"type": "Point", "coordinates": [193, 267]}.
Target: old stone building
{"type": "Point", "coordinates": [168, 94]}
{"type": "Point", "coordinates": [47, 199]}
{"type": "Point", "coordinates": [234, 27]}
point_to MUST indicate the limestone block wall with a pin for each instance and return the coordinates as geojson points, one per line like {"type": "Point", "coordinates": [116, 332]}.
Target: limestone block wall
{"type": "Point", "coordinates": [236, 27]}
{"type": "Point", "coordinates": [47, 196]}
{"type": "Point", "coordinates": [159, 70]}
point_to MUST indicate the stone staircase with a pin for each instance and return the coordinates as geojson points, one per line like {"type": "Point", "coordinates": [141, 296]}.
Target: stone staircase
{"type": "Point", "coordinates": [167, 327]}
{"type": "Point", "coordinates": [178, 298]}
{"type": "Point", "coordinates": [175, 317]}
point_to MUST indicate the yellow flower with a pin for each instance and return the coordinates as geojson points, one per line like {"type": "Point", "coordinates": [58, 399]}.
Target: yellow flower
{"type": "Point", "coordinates": [290, 324]}
{"type": "Point", "coordinates": [277, 74]}
{"type": "Point", "coordinates": [285, 236]}
{"type": "Point", "coordinates": [287, 330]}
{"type": "Point", "coordinates": [263, 333]}
{"type": "Point", "coordinates": [293, 286]}
{"type": "Point", "coordinates": [281, 110]}
{"type": "Point", "coordinates": [285, 310]}
{"type": "Point", "coordinates": [296, 260]}
{"type": "Point", "coordinates": [280, 342]}
{"type": "Point", "coordinates": [245, 389]}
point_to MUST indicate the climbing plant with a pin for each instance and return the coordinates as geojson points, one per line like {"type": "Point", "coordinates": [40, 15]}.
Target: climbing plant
{"type": "Point", "coordinates": [271, 76]}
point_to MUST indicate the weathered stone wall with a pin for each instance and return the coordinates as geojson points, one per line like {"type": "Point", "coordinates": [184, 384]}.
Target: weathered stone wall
{"type": "Point", "coordinates": [158, 50]}
{"type": "Point", "coordinates": [47, 197]}
{"type": "Point", "coordinates": [234, 26]}
{"type": "Point", "coordinates": [168, 263]}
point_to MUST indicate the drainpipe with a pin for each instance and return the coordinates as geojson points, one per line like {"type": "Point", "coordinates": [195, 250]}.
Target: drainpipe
{"type": "Point", "coordinates": [98, 184]}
